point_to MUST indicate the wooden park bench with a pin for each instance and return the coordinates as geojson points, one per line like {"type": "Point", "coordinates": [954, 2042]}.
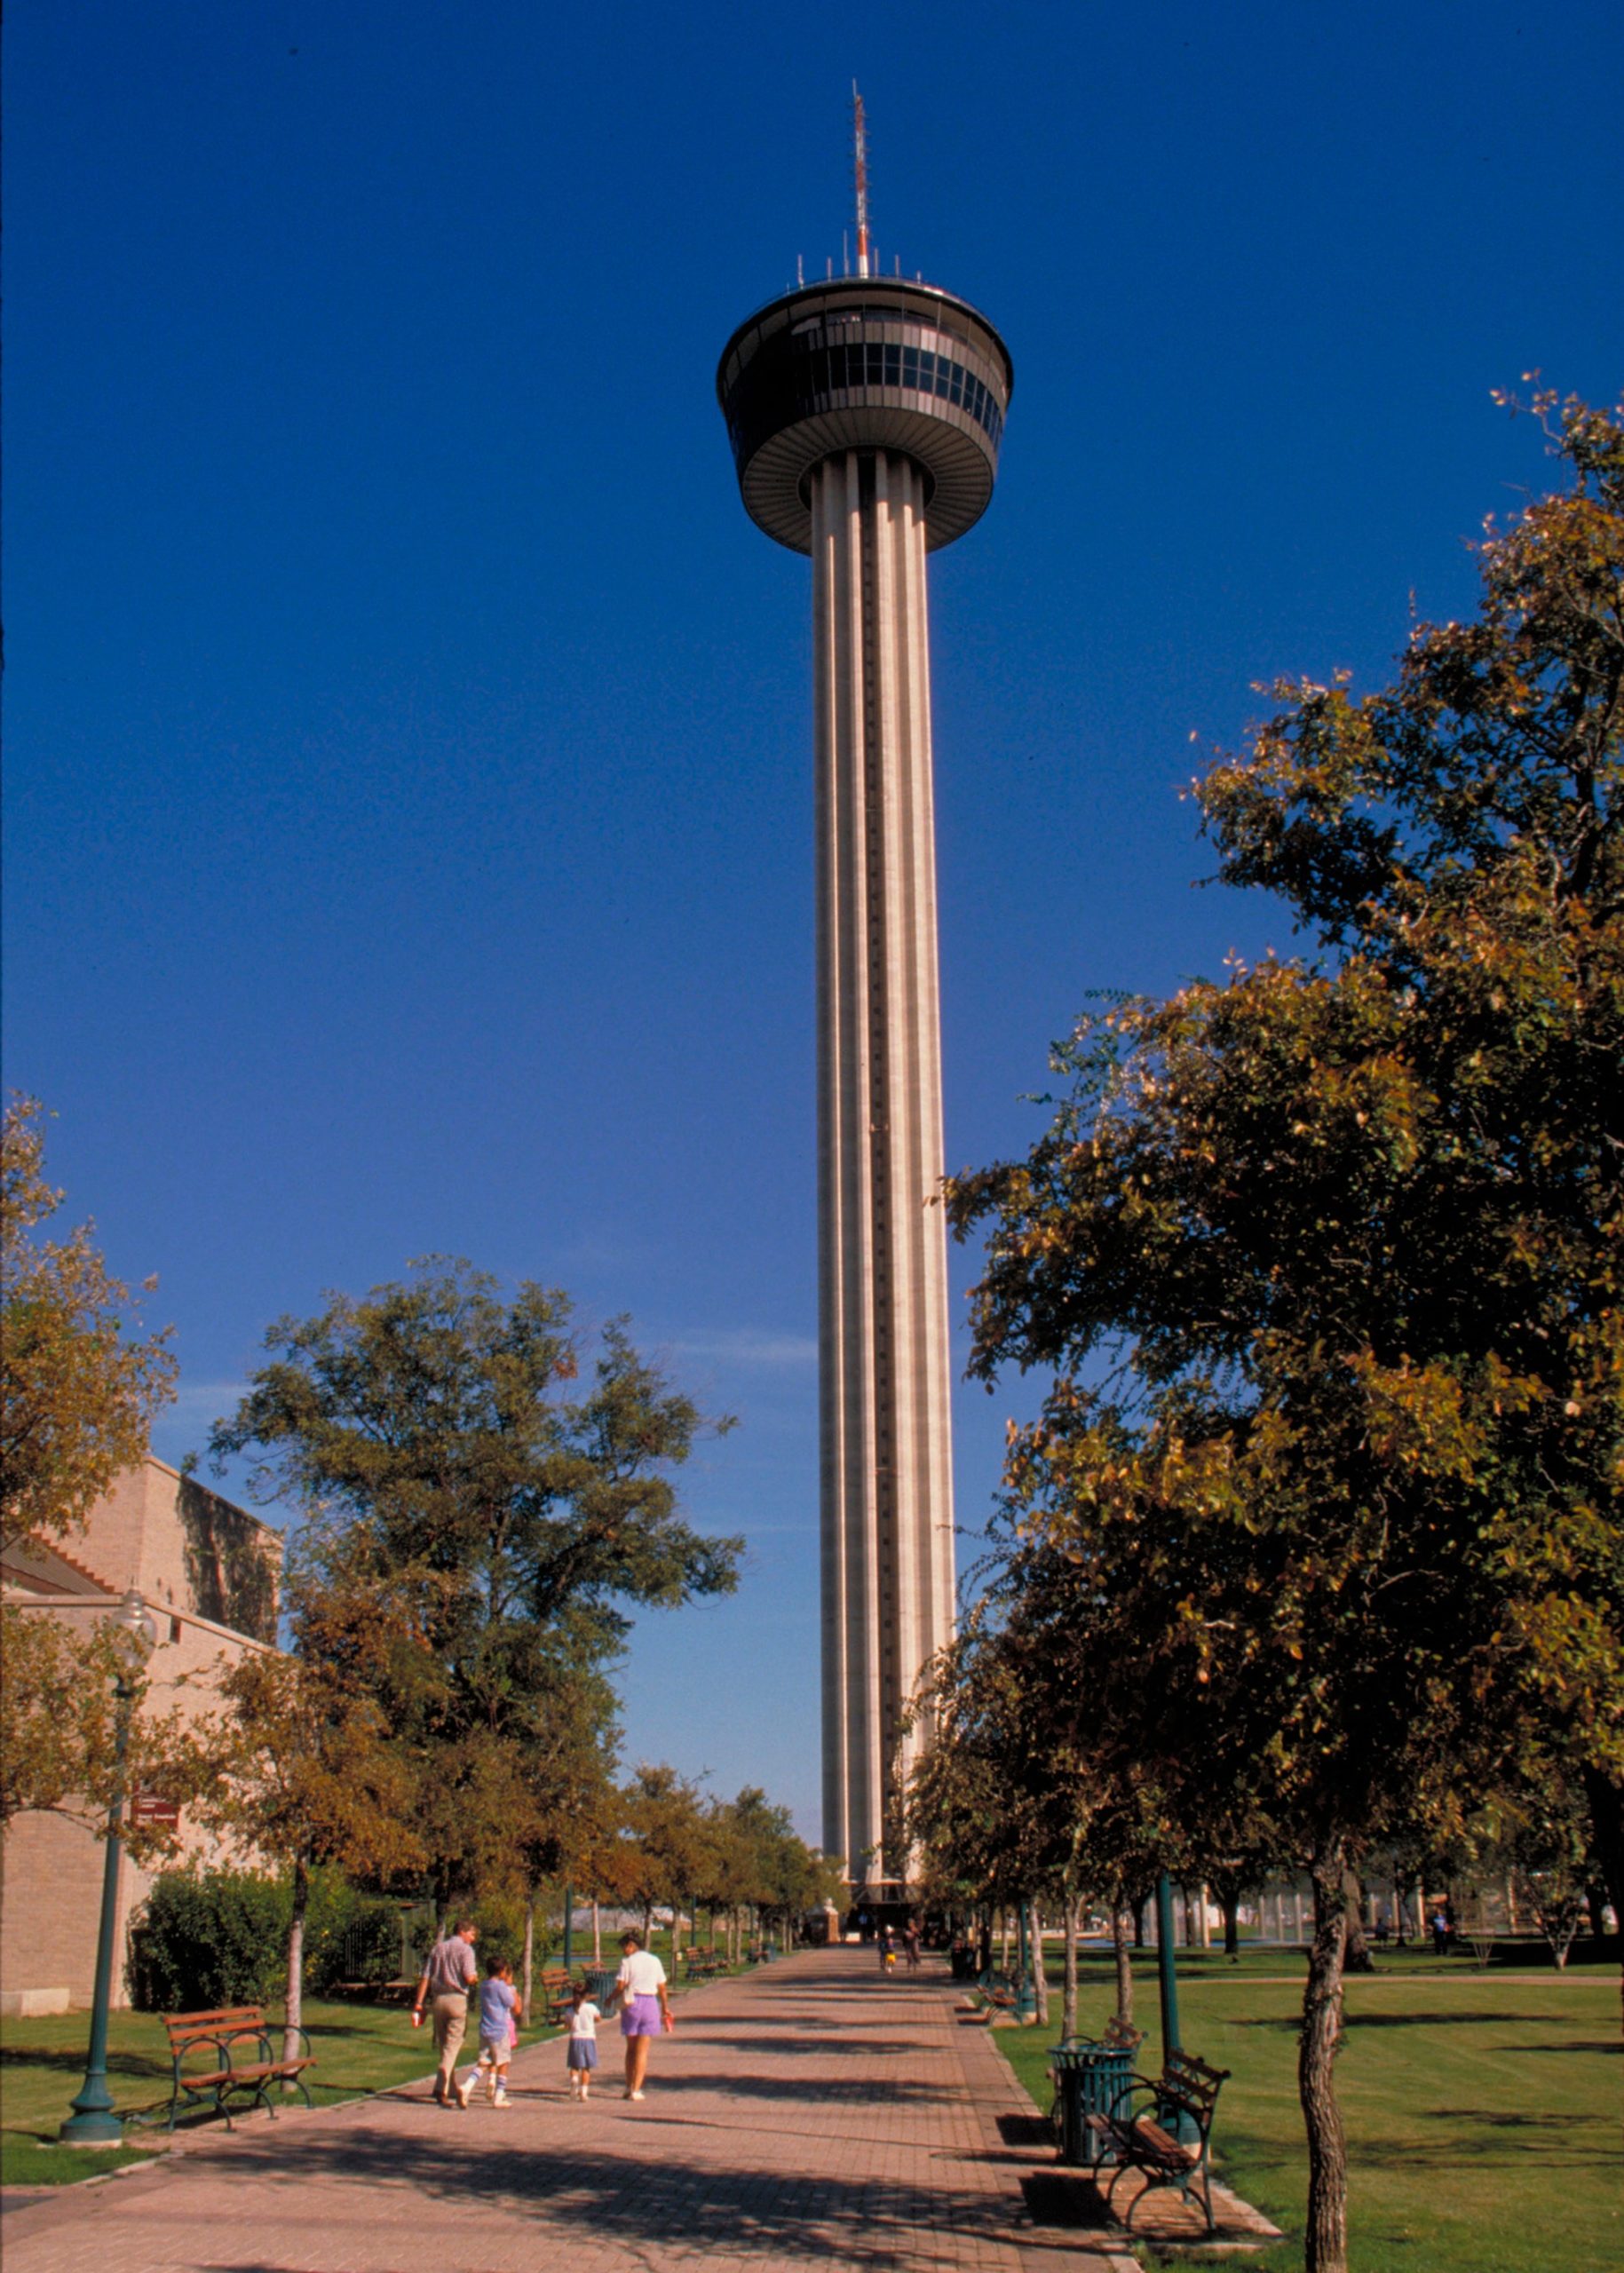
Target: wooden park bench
{"type": "Point", "coordinates": [399, 1991]}
{"type": "Point", "coordinates": [557, 1992]}
{"type": "Point", "coordinates": [993, 1990]}
{"type": "Point", "coordinates": [703, 1965]}
{"type": "Point", "coordinates": [1167, 2139]}
{"type": "Point", "coordinates": [237, 2044]}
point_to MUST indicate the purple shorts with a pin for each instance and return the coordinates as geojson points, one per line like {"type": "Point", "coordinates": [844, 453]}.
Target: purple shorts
{"type": "Point", "coordinates": [640, 2016]}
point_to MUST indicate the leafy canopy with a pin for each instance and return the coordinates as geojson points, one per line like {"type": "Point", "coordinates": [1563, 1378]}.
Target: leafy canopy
{"type": "Point", "coordinates": [77, 1393]}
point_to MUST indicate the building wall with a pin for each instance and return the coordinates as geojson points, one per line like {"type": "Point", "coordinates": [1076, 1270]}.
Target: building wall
{"type": "Point", "coordinates": [191, 1555]}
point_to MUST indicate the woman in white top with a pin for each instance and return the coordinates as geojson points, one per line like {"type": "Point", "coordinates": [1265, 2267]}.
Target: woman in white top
{"type": "Point", "coordinates": [646, 2006]}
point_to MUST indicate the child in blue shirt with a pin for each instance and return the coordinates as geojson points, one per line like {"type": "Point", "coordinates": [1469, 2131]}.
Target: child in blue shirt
{"type": "Point", "coordinates": [498, 2032]}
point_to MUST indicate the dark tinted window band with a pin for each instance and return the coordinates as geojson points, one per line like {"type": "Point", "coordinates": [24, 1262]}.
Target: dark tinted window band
{"type": "Point", "coordinates": [834, 371]}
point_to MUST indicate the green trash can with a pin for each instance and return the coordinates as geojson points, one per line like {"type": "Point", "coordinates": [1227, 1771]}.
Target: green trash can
{"type": "Point", "coordinates": [1089, 2079]}
{"type": "Point", "coordinates": [600, 1986]}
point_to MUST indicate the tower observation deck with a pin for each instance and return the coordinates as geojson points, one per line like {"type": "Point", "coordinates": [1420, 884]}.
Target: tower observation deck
{"type": "Point", "coordinates": [866, 414]}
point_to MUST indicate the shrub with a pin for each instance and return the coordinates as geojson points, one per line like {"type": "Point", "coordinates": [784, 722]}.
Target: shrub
{"type": "Point", "coordinates": [204, 1939]}
{"type": "Point", "coordinates": [359, 1940]}
{"type": "Point", "coordinates": [502, 1931]}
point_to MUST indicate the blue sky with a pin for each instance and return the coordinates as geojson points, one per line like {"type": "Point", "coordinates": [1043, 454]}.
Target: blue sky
{"type": "Point", "coordinates": [408, 785]}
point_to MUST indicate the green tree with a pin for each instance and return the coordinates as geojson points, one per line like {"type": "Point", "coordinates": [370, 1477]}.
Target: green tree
{"type": "Point", "coordinates": [781, 1875]}
{"type": "Point", "coordinates": [77, 1392]}
{"type": "Point", "coordinates": [476, 1521]}
{"type": "Point", "coordinates": [57, 1731]}
{"type": "Point", "coordinates": [306, 1774]}
{"type": "Point", "coordinates": [1353, 1229]}
{"type": "Point", "coordinates": [670, 1838]}
{"type": "Point", "coordinates": [1017, 1793]}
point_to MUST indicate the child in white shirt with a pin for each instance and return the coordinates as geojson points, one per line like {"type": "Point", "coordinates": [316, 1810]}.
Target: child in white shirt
{"type": "Point", "coordinates": [581, 2058]}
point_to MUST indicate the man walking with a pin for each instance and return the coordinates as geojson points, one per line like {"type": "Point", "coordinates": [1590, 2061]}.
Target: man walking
{"type": "Point", "coordinates": [448, 1976]}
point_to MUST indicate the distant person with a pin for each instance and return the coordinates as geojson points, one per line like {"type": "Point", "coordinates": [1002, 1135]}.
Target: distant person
{"type": "Point", "coordinates": [581, 2058]}
{"type": "Point", "coordinates": [645, 2008]}
{"type": "Point", "coordinates": [910, 1944]}
{"type": "Point", "coordinates": [1440, 1932]}
{"type": "Point", "coordinates": [448, 1975]}
{"type": "Point", "coordinates": [498, 2033]}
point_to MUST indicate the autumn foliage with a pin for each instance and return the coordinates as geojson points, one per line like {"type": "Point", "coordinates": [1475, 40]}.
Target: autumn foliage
{"type": "Point", "coordinates": [1339, 1533]}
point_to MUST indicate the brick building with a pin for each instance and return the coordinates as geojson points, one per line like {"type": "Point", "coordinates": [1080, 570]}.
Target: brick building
{"type": "Point", "coordinates": [209, 1574]}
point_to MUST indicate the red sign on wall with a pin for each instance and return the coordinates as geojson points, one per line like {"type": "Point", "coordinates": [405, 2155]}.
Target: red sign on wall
{"type": "Point", "coordinates": [151, 1811]}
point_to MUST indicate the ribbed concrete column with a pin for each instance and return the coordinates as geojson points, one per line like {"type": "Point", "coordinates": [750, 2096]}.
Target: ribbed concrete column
{"type": "Point", "coordinates": [887, 1488]}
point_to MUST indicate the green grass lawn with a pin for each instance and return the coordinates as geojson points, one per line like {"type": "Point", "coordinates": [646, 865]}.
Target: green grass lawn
{"type": "Point", "coordinates": [1482, 2109]}
{"type": "Point", "coordinates": [358, 2047]}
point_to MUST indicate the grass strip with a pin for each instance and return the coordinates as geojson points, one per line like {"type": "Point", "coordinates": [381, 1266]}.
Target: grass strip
{"type": "Point", "coordinates": [1481, 2110]}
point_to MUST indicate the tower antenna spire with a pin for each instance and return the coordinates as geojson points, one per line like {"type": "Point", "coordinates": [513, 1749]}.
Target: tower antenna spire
{"type": "Point", "coordinates": [860, 133]}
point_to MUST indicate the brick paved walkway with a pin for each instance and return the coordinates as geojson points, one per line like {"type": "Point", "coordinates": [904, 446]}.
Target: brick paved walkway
{"type": "Point", "coordinates": [810, 2112]}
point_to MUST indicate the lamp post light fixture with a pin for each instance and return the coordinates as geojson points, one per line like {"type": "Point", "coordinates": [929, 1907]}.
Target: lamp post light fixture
{"type": "Point", "coordinates": [93, 2123]}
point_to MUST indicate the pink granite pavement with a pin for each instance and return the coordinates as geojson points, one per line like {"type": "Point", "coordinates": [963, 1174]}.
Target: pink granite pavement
{"type": "Point", "coordinates": [812, 2113]}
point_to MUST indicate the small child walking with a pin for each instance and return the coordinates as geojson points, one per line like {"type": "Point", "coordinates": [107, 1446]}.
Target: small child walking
{"type": "Point", "coordinates": [581, 2057]}
{"type": "Point", "coordinates": [498, 2032]}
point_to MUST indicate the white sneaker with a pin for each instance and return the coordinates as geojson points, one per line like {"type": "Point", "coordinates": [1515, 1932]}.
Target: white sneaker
{"type": "Point", "coordinates": [501, 2100]}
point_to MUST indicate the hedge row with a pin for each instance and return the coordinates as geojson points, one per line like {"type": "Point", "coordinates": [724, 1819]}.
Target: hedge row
{"type": "Point", "coordinates": [205, 1939]}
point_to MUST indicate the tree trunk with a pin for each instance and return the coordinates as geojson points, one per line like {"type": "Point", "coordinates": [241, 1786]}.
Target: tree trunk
{"type": "Point", "coordinates": [293, 2010]}
{"type": "Point", "coordinates": [1141, 1928]}
{"type": "Point", "coordinates": [1068, 1991]}
{"type": "Point", "coordinates": [1326, 2237]}
{"type": "Point", "coordinates": [1606, 1801]}
{"type": "Point", "coordinates": [675, 1934]}
{"type": "Point", "coordinates": [529, 1979]}
{"type": "Point", "coordinates": [1003, 1954]}
{"type": "Point", "coordinates": [598, 1934]}
{"type": "Point", "coordinates": [1357, 1957]}
{"type": "Point", "coordinates": [1121, 1926]}
{"type": "Point", "coordinates": [1230, 1899]}
{"type": "Point", "coordinates": [1039, 1971]}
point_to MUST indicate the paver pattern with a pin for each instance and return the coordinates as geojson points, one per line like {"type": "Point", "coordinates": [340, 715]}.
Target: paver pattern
{"type": "Point", "coordinates": [812, 2113]}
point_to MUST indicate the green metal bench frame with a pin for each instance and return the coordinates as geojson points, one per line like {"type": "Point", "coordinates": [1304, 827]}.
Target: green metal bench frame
{"type": "Point", "coordinates": [221, 2031]}
{"type": "Point", "coordinates": [1156, 2138]}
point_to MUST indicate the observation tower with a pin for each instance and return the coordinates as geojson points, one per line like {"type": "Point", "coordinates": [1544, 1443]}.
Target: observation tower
{"type": "Point", "coordinates": [866, 413]}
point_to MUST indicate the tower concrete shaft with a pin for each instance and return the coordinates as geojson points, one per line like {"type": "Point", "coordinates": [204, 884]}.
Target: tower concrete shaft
{"type": "Point", "coordinates": [887, 1486]}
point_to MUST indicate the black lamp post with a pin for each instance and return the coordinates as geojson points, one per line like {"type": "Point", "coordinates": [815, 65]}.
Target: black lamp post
{"type": "Point", "coordinates": [93, 2123]}
{"type": "Point", "coordinates": [1026, 1993]}
{"type": "Point", "coordinates": [1166, 1970]}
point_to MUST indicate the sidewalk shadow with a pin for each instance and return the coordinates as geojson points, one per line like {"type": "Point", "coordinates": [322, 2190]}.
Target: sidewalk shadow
{"type": "Point", "coordinates": [801, 2047]}
{"type": "Point", "coordinates": [587, 2195]}
{"type": "Point", "coordinates": [840, 2091]}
